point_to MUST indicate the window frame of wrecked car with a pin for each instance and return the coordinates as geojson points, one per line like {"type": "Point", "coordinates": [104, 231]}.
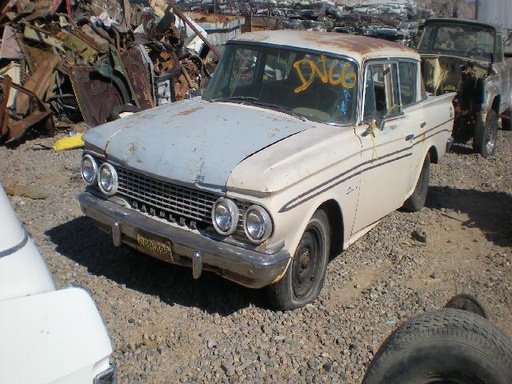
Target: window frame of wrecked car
{"type": "Point", "coordinates": [427, 40]}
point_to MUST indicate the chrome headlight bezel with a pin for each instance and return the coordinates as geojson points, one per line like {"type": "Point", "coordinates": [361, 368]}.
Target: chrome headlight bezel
{"type": "Point", "coordinates": [107, 179]}
{"type": "Point", "coordinates": [92, 179]}
{"type": "Point", "coordinates": [228, 226]}
{"type": "Point", "coordinates": [263, 220]}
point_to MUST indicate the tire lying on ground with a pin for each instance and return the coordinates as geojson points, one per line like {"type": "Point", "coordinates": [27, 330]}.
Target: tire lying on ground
{"type": "Point", "coordinates": [445, 346]}
{"type": "Point", "coordinates": [469, 303]}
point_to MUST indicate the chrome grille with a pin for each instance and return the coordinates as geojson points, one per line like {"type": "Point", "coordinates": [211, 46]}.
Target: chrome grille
{"type": "Point", "coordinates": [177, 200]}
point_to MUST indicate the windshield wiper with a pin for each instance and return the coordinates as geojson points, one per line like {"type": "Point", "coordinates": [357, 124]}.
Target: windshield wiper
{"type": "Point", "coordinates": [236, 99]}
{"type": "Point", "coordinates": [255, 101]}
{"type": "Point", "coordinates": [280, 108]}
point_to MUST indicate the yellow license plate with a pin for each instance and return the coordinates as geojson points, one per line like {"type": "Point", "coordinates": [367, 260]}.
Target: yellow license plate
{"type": "Point", "coordinates": [155, 246]}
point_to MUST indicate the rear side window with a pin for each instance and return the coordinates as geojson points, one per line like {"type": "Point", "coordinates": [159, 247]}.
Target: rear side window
{"type": "Point", "coordinates": [408, 75]}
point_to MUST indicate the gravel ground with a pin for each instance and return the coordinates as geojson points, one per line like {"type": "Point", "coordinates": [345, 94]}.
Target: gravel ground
{"type": "Point", "coordinates": [167, 327]}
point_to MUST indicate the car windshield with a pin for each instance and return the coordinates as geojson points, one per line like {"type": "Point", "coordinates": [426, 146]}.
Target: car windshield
{"type": "Point", "coordinates": [459, 40]}
{"type": "Point", "coordinates": [312, 85]}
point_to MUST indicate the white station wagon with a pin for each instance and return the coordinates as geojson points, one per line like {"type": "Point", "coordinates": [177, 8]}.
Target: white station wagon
{"type": "Point", "coordinates": [301, 143]}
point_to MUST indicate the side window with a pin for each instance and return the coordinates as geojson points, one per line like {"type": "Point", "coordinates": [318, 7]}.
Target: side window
{"type": "Point", "coordinates": [245, 64]}
{"type": "Point", "coordinates": [277, 67]}
{"type": "Point", "coordinates": [381, 90]}
{"type": "Point", "coordinates": [239, 72]}
{"type": "Point", "coordinates": [408, 72]}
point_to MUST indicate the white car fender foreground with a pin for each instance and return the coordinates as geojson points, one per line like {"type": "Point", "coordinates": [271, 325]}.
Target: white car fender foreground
{"type": "Point", "coordinates": [53, 337]}
{"type": "Point", "coordinates": [47, 336]}
{"type": "Point", "coordinates": [22, 269]}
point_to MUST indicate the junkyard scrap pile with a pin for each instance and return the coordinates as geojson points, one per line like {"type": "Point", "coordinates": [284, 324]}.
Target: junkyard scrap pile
{"type": "Point", "coordinates": [63, 63]}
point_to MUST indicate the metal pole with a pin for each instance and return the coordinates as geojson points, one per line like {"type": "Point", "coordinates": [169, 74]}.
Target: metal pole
{"type": "Point", "coordinates": [192, 26]}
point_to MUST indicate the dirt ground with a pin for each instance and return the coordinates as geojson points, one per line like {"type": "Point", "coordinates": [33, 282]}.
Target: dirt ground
{"type": "Point", "coordinates": [166, 326]}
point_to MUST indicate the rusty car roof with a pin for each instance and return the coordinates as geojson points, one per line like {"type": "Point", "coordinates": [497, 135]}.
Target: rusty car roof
{"type": "Point", "coordinates": [358, 47]}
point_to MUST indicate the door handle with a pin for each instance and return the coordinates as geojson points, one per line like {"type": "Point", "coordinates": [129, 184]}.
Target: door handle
{"type": "Point", "coordinates": [409, 137]}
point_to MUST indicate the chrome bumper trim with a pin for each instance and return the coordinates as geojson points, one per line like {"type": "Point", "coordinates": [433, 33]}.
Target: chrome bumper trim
{"type": "Point", "coordinates": [449, 143]}
{"type": "Point", "coordinates": [243, 266]}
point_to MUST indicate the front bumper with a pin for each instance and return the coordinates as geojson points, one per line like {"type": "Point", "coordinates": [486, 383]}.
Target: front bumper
{"type": "Point", "coordinates": [189, 248]}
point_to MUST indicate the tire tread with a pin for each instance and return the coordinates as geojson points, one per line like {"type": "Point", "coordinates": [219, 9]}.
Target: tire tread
{"type": "Point", "coordinates": [469, 330]}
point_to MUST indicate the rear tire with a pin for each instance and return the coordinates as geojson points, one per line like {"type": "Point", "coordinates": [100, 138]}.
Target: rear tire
{"type": "Point", "coordinates": [486, 135]}
{"type": "Point", "coordinates": [417, 200]}
{"type": "Point", "coordinates": [447, 346]}
{"type": "Point", "coordinates": [506, 120]}
{"type": "Point", "coordinates": [304, 278]}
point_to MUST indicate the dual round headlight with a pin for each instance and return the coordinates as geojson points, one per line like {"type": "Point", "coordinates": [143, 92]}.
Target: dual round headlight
{"type": "Point", "coordinates": [256, 220]}
{"type": "Point", "coordinates": [257, 224]}
{"type": "Point", "coordinates": [89, 169]}
{"type": "Point", "coordinates": [105, 175]}
{"type": "Point", "coordinates": [107, 179]}
{"type": "Point", "coordinates": [225, 216]}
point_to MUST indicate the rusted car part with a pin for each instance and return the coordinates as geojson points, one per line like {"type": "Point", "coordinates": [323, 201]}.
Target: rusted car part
{"type": "Point", "coordinates": [185, 18]}
{"type": "Point", "coordinates": [91, 61]}
{"type": "Point", "coordinates": [12, 125]}
{"type": "Point", "coordinates": [96, 97]}
{"type": "Point", "coordinates": [467, 56]}
{"type": "Point", "coordinates": [138, 69]}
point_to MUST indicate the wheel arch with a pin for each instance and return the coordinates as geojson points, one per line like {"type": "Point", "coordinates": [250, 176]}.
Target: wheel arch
{"type": "Point", "coordinates": [496, 102]}
{"type": "Point", "coordinates": [336, 226]}
{"type": "Point", "coordinates": [434, 154]}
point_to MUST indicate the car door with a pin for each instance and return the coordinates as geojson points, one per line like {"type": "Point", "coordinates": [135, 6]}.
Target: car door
{"type": "Point", "coordinates": [504, 70]}
{"type": "Point", "coordinates": [387, 138]}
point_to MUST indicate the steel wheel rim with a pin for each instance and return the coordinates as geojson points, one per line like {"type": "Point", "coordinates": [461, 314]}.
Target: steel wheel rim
{"type": "Point", "coordinates": [491, 137]}
{"type": "Point", "coordinates": [306, 263]}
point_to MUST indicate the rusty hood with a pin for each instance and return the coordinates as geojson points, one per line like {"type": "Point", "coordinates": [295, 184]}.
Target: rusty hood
{"type": "Point", "coordinates": [193, 141]}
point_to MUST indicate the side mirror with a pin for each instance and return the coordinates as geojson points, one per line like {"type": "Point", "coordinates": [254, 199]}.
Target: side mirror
{"type": "Point", "coordinates": [378, 119]}
{"type": "Point", "coordinates": [376, 123]}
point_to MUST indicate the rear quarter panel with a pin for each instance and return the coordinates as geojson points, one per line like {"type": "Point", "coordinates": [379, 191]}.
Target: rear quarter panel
{"type": "Point", "coordinates": [434, 129]}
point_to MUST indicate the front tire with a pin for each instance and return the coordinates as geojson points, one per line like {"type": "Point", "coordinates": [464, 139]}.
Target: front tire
{"type": "Point", "coordinates": [449, 346]}
{"type": "Point", "coordinates": [417, 200]}
{"type": "Point", "coordinates": [304, 278]}
{"type": "Point", "coordinates": [486, 135]}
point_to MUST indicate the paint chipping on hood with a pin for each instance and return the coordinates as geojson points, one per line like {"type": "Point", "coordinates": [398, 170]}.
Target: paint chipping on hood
{"type": "Point", "coordinates": [193, 141]}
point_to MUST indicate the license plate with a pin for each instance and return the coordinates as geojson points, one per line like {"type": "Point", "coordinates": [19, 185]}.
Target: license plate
{"type": "Point", "coordinates": [155, 246]}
